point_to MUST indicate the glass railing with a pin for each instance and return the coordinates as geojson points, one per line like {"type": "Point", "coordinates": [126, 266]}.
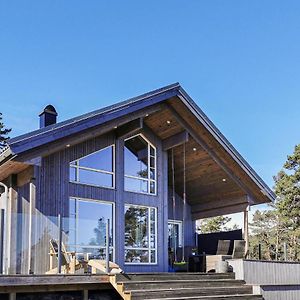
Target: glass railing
{"type": "Point", "coordinates": [40, 244]}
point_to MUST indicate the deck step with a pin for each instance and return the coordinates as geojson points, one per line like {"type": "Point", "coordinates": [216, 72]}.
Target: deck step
{"type": "Point", "coordinates": [185, 292]}
{"type": "Point", "coordinates": [173, 276]}
{"type": "Point", "coordinates": [218, 297]}
{"type": "Point", "coordinates": [172, 284]}
{"type": "Point", "coordinates": [180, 286]}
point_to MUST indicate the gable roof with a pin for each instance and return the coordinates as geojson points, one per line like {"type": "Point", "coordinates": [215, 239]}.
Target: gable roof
{"type": "Point", "coordinates": [34, 140]}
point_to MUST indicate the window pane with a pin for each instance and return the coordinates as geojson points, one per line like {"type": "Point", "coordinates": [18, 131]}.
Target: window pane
{"type": "Point", "coordinates": [91, 219]}
{"type": "Point", "coordinates": [152, 151]}
{"type": "Point", "coordinates": [136, 256]}
{"type": "Point", "coordinates": [72, 174]}
{"type": "Point", "coordinates": [96, 178]}
{"type": "Point", "coordinates": [152, 173]}
{"type": "Point", "coordinates": [153, 256]}
{"type": "Point", "coordinates": [136, 227]}
{"type": "Point", "coordinates": [152, 187]}
{"type": "Point", "coordinates": [152, 162]}
{"type": "Point", "coordinates": [136, 157]}
{"type": "Point", "coordinates": [174, 235]}
{"type": "Point", "coordinates": [136, 185]}
{"type": "Point", "coordinates": [101, 160]}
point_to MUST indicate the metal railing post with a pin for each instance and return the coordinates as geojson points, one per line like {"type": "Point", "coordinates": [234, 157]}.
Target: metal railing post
{"type": "Point", "coordinates": [259, 251]}
{"type": "Point", "coordinates": [59, 243]}
{"type": "Point", "coordinates": [2, 211]}
{"type": "Point", "coordinates": [107, 247]}
{"type": "Point", "coordinates": [285, 251]}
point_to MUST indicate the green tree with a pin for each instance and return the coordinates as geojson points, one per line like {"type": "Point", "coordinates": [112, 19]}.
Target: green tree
{"type": "Point", "coordinates": [287, 189]}
{"type": "Point", "coordinates": [215, 224]}
{"type": "Point", "coordinates": [3, 133]}
{"type": "Point", "coordinates": [263, 231]}
{"type": "Point", "coordinates": [281, 224]}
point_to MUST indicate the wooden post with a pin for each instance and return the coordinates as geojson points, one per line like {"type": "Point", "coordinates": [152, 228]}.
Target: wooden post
{"type": "Point", "coordinates": [246, 230]}
{"type": "Point", "coordinates": [2, 213]}
{"type": "Point", "coordinates": [32, 222]}
{"type": "Point", "coordinates": [85, 295]}
{"type": "Point", "coordinates": [11, 227]}
{"type": "Point", "coordinates": [59, 243]}
{"type": "Point", "coordinates": [12, 296]}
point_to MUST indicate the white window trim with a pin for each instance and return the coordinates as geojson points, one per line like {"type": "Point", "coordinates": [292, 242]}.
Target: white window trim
{"type": "Point", "coordinates": [113, 222]}
{"type": "Point", "coordinates": [149, 180]}
{"type": "Point", "coordinates": [149, 249]}
{"type": "Point", "coordinates": [77, 167]}
{"type": "Point", "coordinates": [181, 230]}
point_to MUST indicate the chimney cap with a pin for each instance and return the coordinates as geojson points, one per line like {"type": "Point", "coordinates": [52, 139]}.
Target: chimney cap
{"type": "Point", "coordinates": [49, 109]}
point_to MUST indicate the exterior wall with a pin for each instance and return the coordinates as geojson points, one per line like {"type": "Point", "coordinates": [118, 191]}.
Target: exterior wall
{"type": "Point", "coordinates": [189, 226]}
{"type": "Point", "coordinates": [53, 191]}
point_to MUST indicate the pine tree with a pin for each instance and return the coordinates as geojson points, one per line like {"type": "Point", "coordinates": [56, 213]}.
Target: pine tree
{"type": "Point", "coordinates": [215, 224]}
{"type": "Point", "coordinates": [3, 133]}
{"type": "Point", "coordinates": [287, 189]}
{"type": "Point", "coordinates": [263, 230]}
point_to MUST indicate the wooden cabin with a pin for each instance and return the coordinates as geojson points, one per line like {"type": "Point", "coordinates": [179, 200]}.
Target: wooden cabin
{"type": "Point", "coordinates": [151, 165]}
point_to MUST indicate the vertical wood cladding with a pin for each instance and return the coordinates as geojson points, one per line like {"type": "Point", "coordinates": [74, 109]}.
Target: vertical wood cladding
{"type": "Point", "coordinates": [53, 191]}
{"type": "Point", "coordinates": [189, 226]}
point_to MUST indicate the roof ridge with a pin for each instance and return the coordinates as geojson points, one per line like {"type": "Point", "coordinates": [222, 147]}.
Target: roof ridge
{"type": "Point", "coordinates": [94, 113]}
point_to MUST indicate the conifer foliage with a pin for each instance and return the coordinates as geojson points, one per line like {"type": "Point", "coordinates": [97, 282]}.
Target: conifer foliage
{"type": "Point", "coordinates": [278, 229]}
{"type": "Point", "coordinates": [3, 133]}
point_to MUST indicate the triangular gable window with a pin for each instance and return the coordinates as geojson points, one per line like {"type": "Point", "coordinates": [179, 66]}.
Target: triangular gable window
{"type": "Point", "coordinates": [139, 165]}
{"type": "Point", "coordinates": [95, 169]}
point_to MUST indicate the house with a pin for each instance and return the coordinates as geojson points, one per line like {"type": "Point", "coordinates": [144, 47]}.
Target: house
{"type": "Point", "coordinates": [151, 165]}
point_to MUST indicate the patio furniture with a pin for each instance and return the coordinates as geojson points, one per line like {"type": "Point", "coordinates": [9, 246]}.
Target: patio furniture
{"type": "Point", "coordinates": [239, 248]}
{"type": "Point", "coordinates": [223, 247]}
{"type": "Point", "coordinates": [222, 253]}
{"type": "Point", "coordinates": [69, 263]}
{"type": "Point", "coordinates": [99, 266]}
{"type": "Point", "coordinates": [197, 263]}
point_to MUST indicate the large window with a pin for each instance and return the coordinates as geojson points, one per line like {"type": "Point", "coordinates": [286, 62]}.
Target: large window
{"type": "Point", "coordinates": [95, 169]}
{"type": "Point", "coordinates": [86, 227]}
{"type": "Point", "coordinates": [140, 165]}
{"type": "Point", "coordinates": [140, 235]}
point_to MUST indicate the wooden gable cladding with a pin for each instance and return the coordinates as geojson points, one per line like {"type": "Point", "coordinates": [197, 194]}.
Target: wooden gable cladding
{"type": "Point", "coordinates": [204, 176]}
{"type": "Point", "coordinates": [158, 123]}
{"type": "Point", "coordinates": [217, 151]}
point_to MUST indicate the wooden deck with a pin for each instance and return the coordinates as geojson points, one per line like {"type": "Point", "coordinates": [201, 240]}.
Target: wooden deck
{"type": "Point", "coordinates": [49, 283]}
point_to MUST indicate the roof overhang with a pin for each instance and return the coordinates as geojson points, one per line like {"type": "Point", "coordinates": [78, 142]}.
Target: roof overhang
{"type": "Point", "coordinates": [172, 99]}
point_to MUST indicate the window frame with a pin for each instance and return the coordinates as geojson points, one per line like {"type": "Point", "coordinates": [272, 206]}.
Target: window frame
{"type": "Point", "coordinates": [149, 249]}
{"type": "Point", "coordinates": [74, 164]}
{"type": "Point", "coordinates": [113, 222]}
{"type": "Point", "coordinates": [148, 179]}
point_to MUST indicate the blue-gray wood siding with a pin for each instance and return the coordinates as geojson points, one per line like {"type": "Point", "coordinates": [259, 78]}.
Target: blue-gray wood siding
{"type": "Point", "coordinates": [177, 214]}
{"type": "Point", "coordinates": [53, 191]}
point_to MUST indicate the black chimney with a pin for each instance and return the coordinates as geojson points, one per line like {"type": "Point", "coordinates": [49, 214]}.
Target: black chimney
{"type": "Point", "coordinates": [48, 116]}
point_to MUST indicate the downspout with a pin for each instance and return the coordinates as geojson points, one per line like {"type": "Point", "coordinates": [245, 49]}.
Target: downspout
{"type": "Point", "coordinates": [2, 228]}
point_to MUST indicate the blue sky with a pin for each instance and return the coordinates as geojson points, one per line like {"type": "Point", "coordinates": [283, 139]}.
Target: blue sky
{"type": "Point", "coordinates": [239, 60]}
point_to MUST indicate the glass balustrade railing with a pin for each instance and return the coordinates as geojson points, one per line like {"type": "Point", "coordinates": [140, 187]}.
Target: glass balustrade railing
{"type": "Point", "coordinates": [41, 244]}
